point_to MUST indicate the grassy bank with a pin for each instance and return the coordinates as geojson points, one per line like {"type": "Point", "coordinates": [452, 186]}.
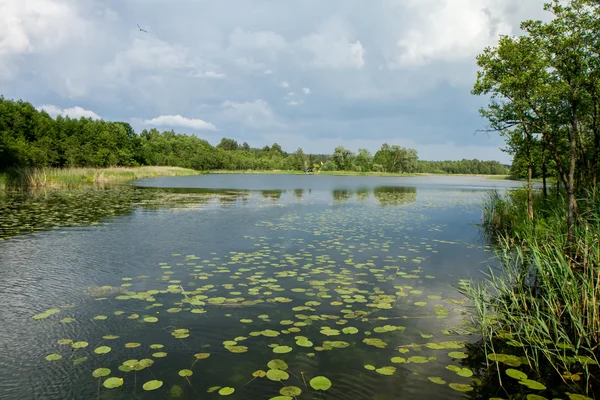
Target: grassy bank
{"type": "Point", "coordinates": [544, 303]}
{"type": "Point", "coordinates": [75, 177]}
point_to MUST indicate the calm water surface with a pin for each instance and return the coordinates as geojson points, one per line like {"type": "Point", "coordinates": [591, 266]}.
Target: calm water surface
{"type": "Point", "coordinates": [248, 269]}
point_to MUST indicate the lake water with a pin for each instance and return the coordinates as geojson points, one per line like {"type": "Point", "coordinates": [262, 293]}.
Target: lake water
{"type": "Point", "coordinates": [348, 278]}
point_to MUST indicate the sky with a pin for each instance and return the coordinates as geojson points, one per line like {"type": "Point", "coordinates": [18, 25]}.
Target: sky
{"type": "Point", "coordinates": [314, 74]}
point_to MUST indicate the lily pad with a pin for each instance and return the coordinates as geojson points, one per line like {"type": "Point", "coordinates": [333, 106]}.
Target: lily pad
{"type": "Point", "coordinates": [185, 372]}
{"type": "Point", "coordinates": [277, 375]}
{"type": "Point", "coordinates": [53, 357]}
{"type": "Point", "coordinates": [152, 385]}
{"type": "Point", "coordinates": [101, 372]}
{"type": "Point", "coordinates": [291, 391]}
{"type": "Point", "coordinates": [226, 391]}
{"type": "Point", "coordinates": [461, 387]}
{"type": "Point", "coordinates": [102, 350]}
{"type": "Point", "coordinates": [320, 383]}
{"type": "Point", "coordinates": [282, 349]}
{"type": "Point", "coordinates": [113, 382]}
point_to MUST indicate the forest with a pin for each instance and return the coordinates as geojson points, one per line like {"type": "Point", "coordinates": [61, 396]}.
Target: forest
{"type": "Point", "coordinates": [32, 138]}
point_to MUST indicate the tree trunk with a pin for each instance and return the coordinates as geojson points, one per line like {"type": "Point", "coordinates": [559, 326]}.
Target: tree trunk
{"type": "Point", "coordinates": [529, 176]}
{"type": "Point", "coordinates": [544, 169]}
{"type": "Point", "coordinates": [572, 203]}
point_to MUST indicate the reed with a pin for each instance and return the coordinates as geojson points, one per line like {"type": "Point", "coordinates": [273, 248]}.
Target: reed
{"type": "Point", "coordinates": [70, 178]}
{"type": "Point", "coordinates": [544, 301]}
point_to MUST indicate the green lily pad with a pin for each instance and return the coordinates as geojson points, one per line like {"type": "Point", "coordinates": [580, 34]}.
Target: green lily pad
{"type": "Point", "coordinates": [531, 384]}
{"type": "Point", "coordinates": [516, 374]}
{"type": "Point", "coordinates": [80, 345]}
{"type": "Point", "coordinates": [458, 354]}
{"type": "Point", "coordinates": [113, 382]}
{"type": "Point", "coordinates": [102, 350]}
{"type": "Point", "coordinates": [159, 354]}
{"type": "Point", "coordinates": [150, 319]}
{"type": "Point", "coordinates": [53, 357]}
{"type": "Point", "coordinates": [291, 391]}
{"type": "Point", "coordinates": [282, 349]}
{"type": "Point", "coordinates": [437, 380]}
{"type": "Point", "coordinates": [101, 372]}
{"type": "Point", "coordinates": [201, 356]}
{"type": "Point", "coordinates": [461, 387]}
{"type": "Point", "coordinates": [369, 367]}
{"type": "Point", "coordinates": [350, 330]}
{"type": "Point", "coordinates": [132, 345]}
{"type": "Point", "coordinates": [386, 370]}
{"type": "Point", "coordinates": [226, 391]}
{"type": "Point", "coordinates": [320, 383]}
{"type": "Point", "coordinates": [259, 374]}
{"type": "Point", "coordinates": [152, 385]}
{"type": "Point", "coordinates": [277, 364]}
{"type": "Point", "coordinates": [277, 375]}
{"type": "Point", "coordinates": [185, 372]}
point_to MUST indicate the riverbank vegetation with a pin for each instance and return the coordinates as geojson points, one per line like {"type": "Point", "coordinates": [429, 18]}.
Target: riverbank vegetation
{"type": "Point", "coordinates": [545, 100]}
{"type": "Point", "coordinates": [70, 178]}
{"type": "Point", "coordinates": [30, 138]}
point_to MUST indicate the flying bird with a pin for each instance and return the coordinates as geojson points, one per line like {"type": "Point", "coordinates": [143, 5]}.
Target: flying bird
{"type": "Point", "coordinates": [141, 30]}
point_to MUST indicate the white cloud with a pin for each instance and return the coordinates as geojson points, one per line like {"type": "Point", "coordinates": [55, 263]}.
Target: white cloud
{"type": "Point", "coordinates": [449, 30]}
{"type": "Point", "coordinates": [331, 46]}
{"type": "Point", "coordinates": [255, 114]}
{"type": "Point", "coordinates": [306, 90]}
{"type": "Point", "coordinates": [284, 84]}
{"type": "Point", "coordinates": [36, 26]}
{"type": "Point", "coordinates": [72, 112]}
{"type": "Point", "coordinates": [209, 74]}
{"type": "Point", "coordinates": [151, 54]}
{"type": "Point", "coordinates": [294, 102]}
{"type": "Point", "coordinates": [178, 120]}
{"type": "Point", "coordinates": [268, 41]}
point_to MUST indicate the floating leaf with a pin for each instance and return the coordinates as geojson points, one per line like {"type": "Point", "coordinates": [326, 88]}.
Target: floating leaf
{"type": "Point", "coordinates": [152, 385]}
{"type": "Point", "coordinates": [386, 370]}
{"type": "Point", "coordinates": [350, 330]}
{"type": "Point", "coordinates": [277, 375]}
{"type": "Point", "coordinates": [65, 341]}
{"type": "Point", "coordinates": [461, 387]}
{"type": "Point", "coordinates": [226, 391]}
{"type": "Point", "coordinates": [159, 354]}
{"type": "Point", "coordinates": [437, 379]}
{"type": "Point", "coordinates": [97, 373]}
{"type": "Point", "coordinates": [201, 356]}
{"type": "Point", "coordinates": [53, 357]}
{"type": "Point", "coordinates": [110, 337]}
{"type": "Point", "coordinates": [102, 350]}
{"type": "Point", "coordinates": [80, 345]}
{"type": "Point", "coordinates": [185, 372]}
{"type": "Point", "coordinates": [457, 354]}
{"type": "Point", "coordinates": [282, 349]}
{"type": "Point", "coordinates": [320, 383]}
{"type": "Point", "coordinates": [277, 364]}
{"type": "Point", "coordinates": [531, 384]}
{"type": "Point", "coordinates": [514, 373]}
{"type": "Point", "coordinates": [150, 319]}
{"type": "Point", "coordinates": [291, 391]}
{"type": "Point", "coordinates": [113, 382]}
{"type": "Point", "coordinates": [132, 345]}
{"type": "Point", "coordinates": [259, 374]}
{"type": "Point", "coordinates": [464, 372]}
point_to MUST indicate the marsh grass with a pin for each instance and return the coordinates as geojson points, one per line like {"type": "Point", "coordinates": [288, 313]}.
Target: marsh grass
{"type": "Point", "coordinates": [544, 301]}
{"type": "Point", "coordinates": [71, 178]}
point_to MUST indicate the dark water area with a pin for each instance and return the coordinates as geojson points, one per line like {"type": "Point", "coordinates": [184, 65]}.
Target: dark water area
{"type": "Point", "coordinates": [213, 277]}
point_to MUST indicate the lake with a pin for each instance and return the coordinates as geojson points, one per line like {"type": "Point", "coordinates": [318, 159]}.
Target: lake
{"type": "Point", "coordinates": [242, 287]}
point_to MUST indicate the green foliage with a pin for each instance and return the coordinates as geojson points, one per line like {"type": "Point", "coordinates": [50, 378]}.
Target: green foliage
{"type": "Point", "coordinates": [31, 142]}
{"type": "Point", "coordinates": [463, 167]}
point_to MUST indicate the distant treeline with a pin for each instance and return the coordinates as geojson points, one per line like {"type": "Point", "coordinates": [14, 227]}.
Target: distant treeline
{"type": "Point", "coordinates": [31, 138]}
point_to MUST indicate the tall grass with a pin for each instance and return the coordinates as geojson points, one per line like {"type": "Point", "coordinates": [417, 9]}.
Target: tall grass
{"type": "Point", "coordinates": [69, 178]}
{"type": "Point", "coordinates": [544, 301]}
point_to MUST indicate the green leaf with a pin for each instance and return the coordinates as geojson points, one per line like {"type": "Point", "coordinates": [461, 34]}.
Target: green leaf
{"type": "Point", "coordinates": [152, 385]}
{"type": "Point", "coordinates": [113, 382]}
{"type": "Point", "coordinates": [320, 383]}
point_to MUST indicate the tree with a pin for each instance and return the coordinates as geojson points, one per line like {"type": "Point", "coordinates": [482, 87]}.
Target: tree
{"type": "Point", "coordinates": [342, 158]}
{"type": "Point", "coordinates": [363, 160]}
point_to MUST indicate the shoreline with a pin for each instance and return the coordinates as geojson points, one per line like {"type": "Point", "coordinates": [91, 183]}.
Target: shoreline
{"type": "Point", "coordinates": [69, 178]}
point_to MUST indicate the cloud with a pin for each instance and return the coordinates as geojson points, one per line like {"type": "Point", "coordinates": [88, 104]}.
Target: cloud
{"type": "Point", "coordinates": [284, 84]}
{"type": "Point", "coordinates": [331, 46]}
{"type": "Point", "coordinates": [448, 30]}
{"type": "Point", "coordinates": [256, 114]}
{"type": "Point", "coordinates": [179, 121]}
{"type": "Point", "coordinates": [393, 71]}
{"type": "Point", "coordinates": [72, 112]}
